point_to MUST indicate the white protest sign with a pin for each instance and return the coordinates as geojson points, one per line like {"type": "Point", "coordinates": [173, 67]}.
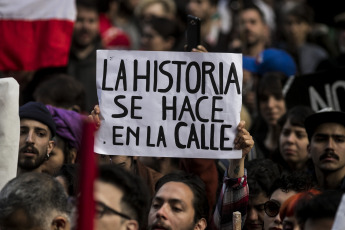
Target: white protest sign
{"type": "Point", "coordinates": [169, 104]}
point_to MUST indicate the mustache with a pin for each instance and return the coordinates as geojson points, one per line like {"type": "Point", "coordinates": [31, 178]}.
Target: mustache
{"type": "Point", "coordinates": [159, 224]}
{"type": "Point", "coordinates": [30, 148]}
{"type": "Point", "coordinates": [84, 31]}
{"type": "Point", "coordinates": [327, 154]}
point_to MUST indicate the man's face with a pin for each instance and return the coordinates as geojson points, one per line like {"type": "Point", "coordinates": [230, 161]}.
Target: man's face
{"type": "Point", "coordinates": [172, 208]}
{"type": "Point", "coordinates": [256, 213]}
{"type": "Point", "coordinates": [200, 8]}
{"type": "Point", "coordinates": [327, 148]}
{"type": "Point", "coordinates": [110, 196]}
{"type": "Point", "coordinates": [86, 27]}
{"type": "Point", "coordinates": [252, 29]}
{"type": "Point", "coordinates": [34, 144]}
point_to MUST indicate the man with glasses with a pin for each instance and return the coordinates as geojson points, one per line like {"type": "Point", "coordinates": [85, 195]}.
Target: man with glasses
{"type": "Point", "coordinates": [121, 199]}
{"type": "Point", "coordinates": [283, 188]}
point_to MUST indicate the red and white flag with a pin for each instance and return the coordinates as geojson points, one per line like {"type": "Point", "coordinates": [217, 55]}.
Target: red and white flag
{"type": "Point", "coordinates": [35, 33]}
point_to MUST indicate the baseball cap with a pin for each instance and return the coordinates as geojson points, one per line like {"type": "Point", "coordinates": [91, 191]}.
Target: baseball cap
{"type": "Point", "coordinates": [270, 60]}
{"type": "Point", "coordinates": [327, 115]}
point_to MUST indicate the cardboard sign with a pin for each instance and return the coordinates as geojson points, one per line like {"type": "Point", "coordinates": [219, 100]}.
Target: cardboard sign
{"type": "Point", "coordinates": [318, 90]}
{"type": "Point", "coordinates": [170, 104]}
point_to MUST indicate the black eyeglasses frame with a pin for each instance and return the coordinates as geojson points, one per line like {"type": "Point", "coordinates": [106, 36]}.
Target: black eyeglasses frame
{"type": "Point", "coordinates": [107, 209]}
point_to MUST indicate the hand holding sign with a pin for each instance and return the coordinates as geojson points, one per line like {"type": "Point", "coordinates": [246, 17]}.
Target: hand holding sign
{"type": "Point", "coordinates": [243, 141]}
{"type": "Point", "coordinates": [94, 116]}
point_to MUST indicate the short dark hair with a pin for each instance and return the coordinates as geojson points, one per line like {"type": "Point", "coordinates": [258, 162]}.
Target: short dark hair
{"type": "Point", "coordinates": [89, 4]}
{"type": "Point", "coordinates": [39, 195]}
{"type": "Point", "coordinates": [261, 173]}
{"type": "Point", "coordinates": [200, 202]}
{"type": "Point", "coordinates": [252, 6]}
{"type": "Point", "coordinates": [61, 90]}
{"type": "Point", "coordinates": [322, 206]}
{"type": "Point", "coordinates": [297, 181]}
{"type": "Point", "coordinates": [135, 192]}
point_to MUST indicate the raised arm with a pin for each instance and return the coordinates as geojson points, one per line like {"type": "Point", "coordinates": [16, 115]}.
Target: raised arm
{"type": "Point", "coordinates": [234, 195]}
{"type": "Point", "coordinates": [242, 141]}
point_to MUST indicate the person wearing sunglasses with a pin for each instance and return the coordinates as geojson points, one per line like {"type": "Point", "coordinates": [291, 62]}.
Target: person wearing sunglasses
{"type": "Point", "coordinates": [283, 188]}
{"type": "Point", "coordinates": [261, 175]}
{"type": "Point", "coordinates": [122, 200]}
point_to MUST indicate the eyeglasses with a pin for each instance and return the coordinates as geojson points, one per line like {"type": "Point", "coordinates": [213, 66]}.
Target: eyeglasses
{"type": "Point", "coordinates": [272, 208]}
{"type": "Point", "coordinates": [102, 209]}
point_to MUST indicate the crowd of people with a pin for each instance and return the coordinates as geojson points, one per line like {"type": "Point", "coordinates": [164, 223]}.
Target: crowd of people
{"type": "Point", "coordinates": [291, 174]}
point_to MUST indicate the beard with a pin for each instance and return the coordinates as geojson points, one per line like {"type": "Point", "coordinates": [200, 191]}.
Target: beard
{"type": "Point", "coordinates": [31, 163]}
{"type": "Point", "coordinates": [81, 44]}
{"type": "Point", "coordinates": [161, 225]}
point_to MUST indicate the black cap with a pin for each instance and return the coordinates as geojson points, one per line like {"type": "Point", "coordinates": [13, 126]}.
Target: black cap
{"type": "Point", "coordinates": [327, 115]}
{"type": "Point", "coordinates": [38, 112]}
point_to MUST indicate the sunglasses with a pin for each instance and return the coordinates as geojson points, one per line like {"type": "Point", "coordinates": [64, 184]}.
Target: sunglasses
{"type": "Point", "coordinates": [272, 208]}
{"type": "Point", "coordinates": [102, 209]}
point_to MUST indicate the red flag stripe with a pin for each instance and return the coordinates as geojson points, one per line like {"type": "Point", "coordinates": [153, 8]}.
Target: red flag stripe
{"type": "Point", "coordinates": [30, 45]}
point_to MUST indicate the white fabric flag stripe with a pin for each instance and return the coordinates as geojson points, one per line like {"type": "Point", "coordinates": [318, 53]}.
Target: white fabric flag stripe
{"type": "Point", "coordinates": [38, 9]}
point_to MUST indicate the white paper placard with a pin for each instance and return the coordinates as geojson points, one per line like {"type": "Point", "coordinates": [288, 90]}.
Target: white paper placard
{"type": "Point", "coordinates": [169, 104]}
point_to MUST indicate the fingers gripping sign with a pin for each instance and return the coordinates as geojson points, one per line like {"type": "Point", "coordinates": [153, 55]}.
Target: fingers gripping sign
{"type": "Point", "coordinates": [243, 139]}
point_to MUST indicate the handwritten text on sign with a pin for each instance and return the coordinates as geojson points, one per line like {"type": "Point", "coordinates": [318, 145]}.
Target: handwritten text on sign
{"type": "Point", "coordinates": [172, 104]}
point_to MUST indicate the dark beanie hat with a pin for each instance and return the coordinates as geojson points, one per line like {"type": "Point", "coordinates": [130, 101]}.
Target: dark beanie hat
{"type": "Point", "coordinates": [39, 112]}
